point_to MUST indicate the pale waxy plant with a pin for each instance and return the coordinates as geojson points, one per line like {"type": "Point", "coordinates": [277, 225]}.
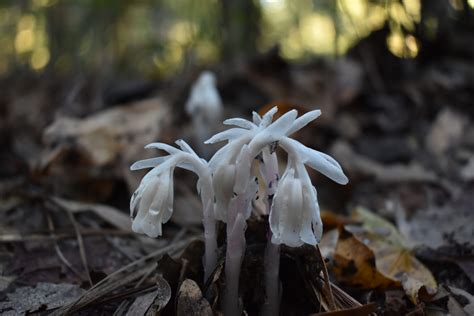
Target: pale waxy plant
{"type": "Point", "coordinates": [291, 200]}
{"type": "Point", "coordinates": [152, 203]}
{"type": "Point", "coordinates": [293, 206]}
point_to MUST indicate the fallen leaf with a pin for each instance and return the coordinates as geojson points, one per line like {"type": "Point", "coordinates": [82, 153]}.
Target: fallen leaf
{"type": "Point", "coordinates": [42, 297]}
{"type": "Point", "coordinates": [108, 213]}
{"type": "Point", "coordinates": [355, 263]}
{"type": "Point", "coordinates": [354, 311]}
{"type": "Point", "coordinates": [376, 255]}
{"type": "Point", "coordinates": [103, 137]}
{"type": "Point", "coordinates": [446, 131]}
{"type": "Point", "coordinates": [152, 303]}
{"type": "Point", "coordinates": [191, 301]}
{"type": "Point", "coordinates": [100, 148]}
{"type": "Point", "coordinates": [333, 220]}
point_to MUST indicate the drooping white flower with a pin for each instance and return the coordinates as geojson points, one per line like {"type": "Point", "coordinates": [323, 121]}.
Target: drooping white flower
{"type": "Point", "coordinates": [294, 216]}
{"type": "Point", "coordinates": [152, 203]}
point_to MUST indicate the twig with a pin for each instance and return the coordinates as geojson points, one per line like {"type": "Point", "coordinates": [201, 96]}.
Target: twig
{"type": "Point", "coordinates": [327, 284]}
{"type": "Point", "coordinates": [58, 250]}
{"type": "Point", "coordinates": [16, 237]}
{"type": "Point", "coordinates": [123, 305]}
{"type": "Point", "coordinates": [82, 250]}
{"type": "Point", "coordinates": [115, 279]}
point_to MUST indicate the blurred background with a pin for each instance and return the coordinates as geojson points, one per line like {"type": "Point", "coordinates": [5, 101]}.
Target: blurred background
{"type": "Point", "coordinates": [159, 39]}
{"type": "Point", "coordinates": [84, 85]}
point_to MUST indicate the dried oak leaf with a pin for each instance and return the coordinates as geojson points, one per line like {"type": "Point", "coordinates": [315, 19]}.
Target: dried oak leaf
{"type": "Point", "coordinates": [376, 255]}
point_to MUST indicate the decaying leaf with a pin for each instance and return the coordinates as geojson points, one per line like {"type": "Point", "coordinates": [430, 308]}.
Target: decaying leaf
{"type": "Point", "coordinates": [190, 300]}
{"type": "Point", "coordinates": [152, 303]}
{"type": "Point", "coordinates": [103, 137]}
{"type": "Point", "coordinates": [105, 142]}
{"type": "Point", "coordinates": [108, 213]}
{"type": "Point", "coordinates": [376, 255]}
{"type": "Point", "coordinates": [333, 220]}
{"type": "Point", "coordinates": [355, 263]}
{"type": "Point", "coordinates": [42, 297]}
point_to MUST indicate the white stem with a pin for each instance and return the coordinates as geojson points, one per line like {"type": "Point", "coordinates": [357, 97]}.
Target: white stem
{"type": "Point", "coordinates": [272, 279]}
{"type": "Point", "coordinates": [272, 251]}
{"type": "Point", "coordinates": [209, 223]}
{"type": "Point", "coordinates": [210, 239]}
{"type": "Point", "coordinates": [234, 256]}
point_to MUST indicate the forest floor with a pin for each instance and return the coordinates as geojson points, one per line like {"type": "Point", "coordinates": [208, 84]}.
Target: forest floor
{"type": "Point", "coordinates": [398, 238]}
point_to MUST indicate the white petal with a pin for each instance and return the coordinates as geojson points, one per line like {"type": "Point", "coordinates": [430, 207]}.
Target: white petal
{"type": "Point", "coordinates": [280, 207]}
{"type": "Point", "coordinates": [168, 206]}
{"type": "Point", "coordinates": [291, 222]}
{"type": "Point", "coordinates": [309, 208]}
{"type": "Point", "coordinates": [250, 194]}
{"type": "Point", "coordinates": [240, 123]}
{"type": "Point", "coordinates": [282, 124]}
{"type": "Point", "coordinates": [256, 118]}
{"type": "Point", "coordinates": [223, 183]}
{"type": "Point", "coordinates": [318, 161]}
{"type": "Point", "coordinates": [303, 120]}
{"type": "Point", "coordinates": [267, 117]}
{"type": "Point", "coordinates": [272, 133]}
{"type": "Point", "coordinates": [169, 149]}
{"type": "Point", "coordinates": [148, 163]}
{"type": "Point", "coordinates": [151, 225]}
{"type": "Point", "coordinates": [185, 147]}
{"type": "Point", "coordinates": [229, 134]}
{"type": "Point", "coordinates": [228, 153]}
{"type": "Point", "coordinates": [243, 168]}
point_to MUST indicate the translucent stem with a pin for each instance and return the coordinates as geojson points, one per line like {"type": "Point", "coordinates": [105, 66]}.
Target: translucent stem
{"type": "Point", "coordinates": [271, 307]}
{"type": "Point", "coordinates": [209, 223]}
{"type": "Point", "coordinates": [234, 256]}
{"type": "Point", "coordinates": [272, 279]}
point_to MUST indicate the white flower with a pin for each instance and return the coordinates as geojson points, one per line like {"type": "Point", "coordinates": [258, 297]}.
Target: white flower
{"type": "Point", "coordinates": [294, 216]}
{"type": "Point", "coordinates": [152, 203]}
{"type": "Point", "coordinates": [204, 99]}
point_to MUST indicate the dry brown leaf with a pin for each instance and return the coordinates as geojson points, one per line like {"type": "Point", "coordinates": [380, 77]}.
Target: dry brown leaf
{"type": "Point", "coordinates": [377, 256]}
{"type": "Point", "coordinates": [108, 141]}
{"type": "Point", "coordinates": [190, 300]}
{"type": "Point", "coordinates": [333, 220]}
{"type": "Point", "coordinates": [103, 137]}
{"type": "Point", "coordinates": [355, 263]}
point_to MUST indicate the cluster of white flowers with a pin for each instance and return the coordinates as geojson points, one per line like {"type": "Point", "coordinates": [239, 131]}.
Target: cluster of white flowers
{"type": "Point", "coordinates": [294, 215]}
{"type": "Point", "coordinates": [228, 187]}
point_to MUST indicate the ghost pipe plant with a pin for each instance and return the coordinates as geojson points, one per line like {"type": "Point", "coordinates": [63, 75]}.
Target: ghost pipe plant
{"type": "Point", "coordinates": [227, 179]}
{"type": "Point", "coordinates": [152, 203]}
{"type": "Point", "coordinates": [294, 210]}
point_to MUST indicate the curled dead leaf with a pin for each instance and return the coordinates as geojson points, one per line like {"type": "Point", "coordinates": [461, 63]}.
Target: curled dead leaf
{"type": "Point", "coordinates": [376, 255]}
{"type": "Point", "coordinates": [355, 263]}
